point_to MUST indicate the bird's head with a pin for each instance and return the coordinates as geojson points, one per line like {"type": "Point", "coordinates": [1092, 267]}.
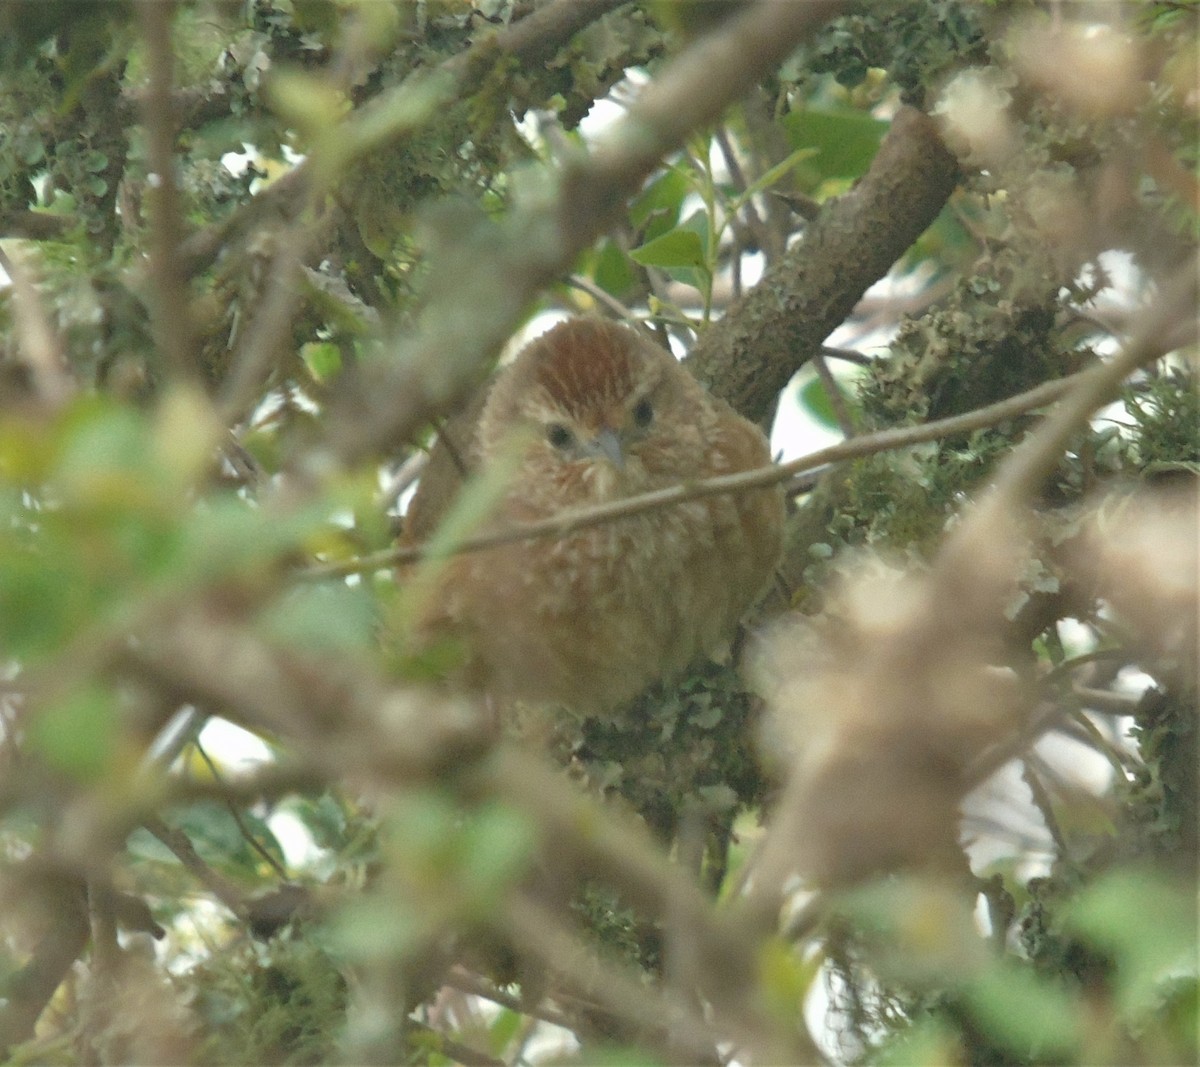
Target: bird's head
{"type": "Point", "coordinates": [600, 410]}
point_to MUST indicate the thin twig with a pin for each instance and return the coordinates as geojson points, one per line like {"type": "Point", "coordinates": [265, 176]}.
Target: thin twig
{"type": "Point", "coordinates": [465, 982]}
{"type": "Point", "coordinates": [765, 239]}
{"type": "Point", "coordinates": [1042, 801]}
{"type": "Point", "coordinates": [581, 518]}
{"type": "Point", "coordinates": [184, 851]}
{"type": "Point", "coordinates": [585, 285]}
{"type": "Point", "coordinates": [533, 39]}
{"type": "Point", "coordinates": [269, 782]}
{"type": "Point", "coordinates": [1157, 333]}
{"type": "Point", "coordinates": [434, 366]}
{"type": "Point", "coordinates": [837, 401]}
{"type": "Point", "coordinates": [251, 840]}
{"type": "Point", "coordinates": [847, 354]}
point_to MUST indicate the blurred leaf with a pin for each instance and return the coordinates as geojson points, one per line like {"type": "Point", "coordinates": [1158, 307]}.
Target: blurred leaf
{"type": "Point", "coordinates": [1147, 922]}
{"type": "Point", "coordinates": [329, 616]}
{"type": "Point", "coordinates": [309, 102]}
{"type": "Point", "coordinates": [922, 931]}
{"type": "Point", "coordinates": [497, 847]}
{"type": "Point", "coordinates": [785, 977]}
{"type": "Point", "coordinates": [503, 1029]}
{"type": "Point", "coordinates": [1024, 1012]}
{"type": "Point", "coordinates": [186, 434]}
{"type": "Point", "coordinates": [608, 1056]}
{"type": "Point", "coordinates": [78, 735]}
{"type": "Point", "coordinates": [373, 928]}
{"type": "Point", "coordinates": [142, 844]}
{"type": "Point", "coordinates": [25, 450]}
{"type": "Point", "coordinates": [323, 359]}
{"type": "Point", "coordinates": [104, 456]}
{"type": "Point", "coordinates": [926, 1043]}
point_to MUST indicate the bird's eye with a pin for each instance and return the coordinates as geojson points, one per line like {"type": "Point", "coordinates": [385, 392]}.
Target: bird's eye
{"type": "Point", "coordinates": [559, 436]}
{"type": "Point", "coordinates": [643, 414]}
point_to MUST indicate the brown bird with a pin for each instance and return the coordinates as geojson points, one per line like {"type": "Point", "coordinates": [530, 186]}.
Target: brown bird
{"type": "Point", "coordinates": [589, 619]}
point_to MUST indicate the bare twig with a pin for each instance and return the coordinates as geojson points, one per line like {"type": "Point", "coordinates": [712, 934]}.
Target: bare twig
{"type": "Point", "coordinates": [1157, 332]}
{"type": "Point", "coordinates": [847, 354]}
{"type": "Point", "coordinates": [767, 240]}
{"type": "Point", "coordinates": [266, 337]}
{"type": "Point", "coordinates": [1045, 805]}
{"type": "Point", "coordinates": [463, 980]}
{"type": "Point", "coordinates": [837, 402]}
{"type": "Point", "coordinates": [581, 518]}
{"type": "Point", "coordinates": [243, 829]}
{"type": "Point", "coordinates": [181, 846]}
{"type": "Point", "coordinates": [40, 347]}
{"type": "Point", "coordinates": [586, 285]}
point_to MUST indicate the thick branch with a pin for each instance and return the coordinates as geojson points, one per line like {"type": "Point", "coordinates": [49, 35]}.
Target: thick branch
{"type": "Point", "coordinates": [28, 991]}
{"type": "Point", "coordinates": [438, 365]}
{"type": "Point", "coordinates": [174, 331]}
{"type": "Point", "coordinates": [531, 40]}
{"type": "Point", "coordinates": [749, 355]}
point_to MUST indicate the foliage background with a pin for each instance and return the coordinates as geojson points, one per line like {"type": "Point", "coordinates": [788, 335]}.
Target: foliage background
{"type": "Point", "coordinates": [954, 818]}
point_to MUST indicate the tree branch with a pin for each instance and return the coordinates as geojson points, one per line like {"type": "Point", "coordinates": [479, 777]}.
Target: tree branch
{"type": "Point", "coordinates": [429, 371]}
{"type": "Point", "coordinates": [531, 40]}
{"type": "Point", "coordinates": [748, 356]}
{"type": "Point", "coordinates": [855, 448]}
{"type": "Point", "coordinates": [174, 330]}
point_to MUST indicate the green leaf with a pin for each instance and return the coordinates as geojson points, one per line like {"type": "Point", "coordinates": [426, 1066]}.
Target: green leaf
{"type": "Point", "coordinates": [218, 839]}
{"type": "Point", "coordinates": [658, 207]}
{"type": "Point", "coordinates": [844, 141]}
{"type": "Point", "coordinates": [785, 978]}
{"type": "Point", "coordinates": [815, 400]}
{"type": "Point", "coordinates": [677, 248]}
{"type": "Point", "coordinates": [611, 270]}
{"type": "Point", "coordinates": [773, 175]}
{"type": "Point", "coordinates": [504, 1028]}
{"type": "Point", "coordinates": [104, 450]}
{"type": "Point", "coordinates": [323, 359]}
{"type": "Point", "coordinates": [309, 102]}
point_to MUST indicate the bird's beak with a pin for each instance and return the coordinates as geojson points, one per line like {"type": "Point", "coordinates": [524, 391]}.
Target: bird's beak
{"type": "Point", "coordinates": [606, 443]}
